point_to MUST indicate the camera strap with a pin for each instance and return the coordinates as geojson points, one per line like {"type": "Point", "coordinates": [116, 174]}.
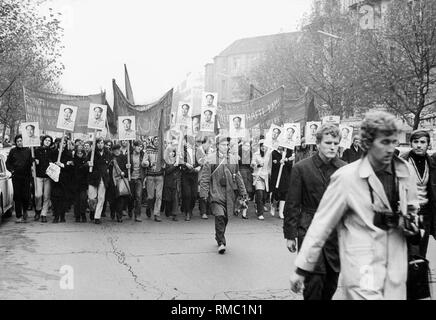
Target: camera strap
{"type": "Point", "coordinates": [395, 197]}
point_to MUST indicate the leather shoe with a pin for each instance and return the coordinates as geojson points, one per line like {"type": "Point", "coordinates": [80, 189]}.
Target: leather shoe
{"type": "Point", "coordinates": [157, 219]}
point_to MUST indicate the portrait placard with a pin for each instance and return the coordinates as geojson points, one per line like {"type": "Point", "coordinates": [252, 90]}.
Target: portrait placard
{"type": "Point", "coordinates": [273, 136]}
{"type": "Point", "coordinates": [97, 116]}
{"type": "Point", "coordinates": [237, 126]}
{"type": "Point", "coordinates": [184, 115]}
{"type": "Point", "coordinates": [67, 117]}
{"type": "Point", "coordinates": [126, 128]}
{"type": "Point", "coordinates": [209, 99]}
{"type": "Point", "coordinates": [207, 119]}
{"type": "Point", "coordinates": [30, 133]}
{"type": "Point", "coordinates": [291, 135]}
{"type": "Point", "coordinates": [346, 136]}
{"type": "Point", "coordinates": [310, 132]}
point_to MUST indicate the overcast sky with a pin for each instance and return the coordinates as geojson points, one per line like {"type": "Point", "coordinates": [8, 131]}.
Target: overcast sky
{"type": "Point", "coordinates": [160, 41]}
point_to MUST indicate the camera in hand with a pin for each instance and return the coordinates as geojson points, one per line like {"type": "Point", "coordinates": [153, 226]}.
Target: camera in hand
{"type": "Point", "coordinates": [386, 219]}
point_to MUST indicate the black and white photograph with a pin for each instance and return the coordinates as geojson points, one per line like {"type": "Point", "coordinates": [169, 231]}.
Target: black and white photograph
{"type": "Point", "coordinates": [30, 132]}
{"type": "Point", "coordinates": [346, 136]}
{"type": "Point", "coordinates": [237, 126]}
{"type": "Point", "coordinates": [209, 100]}
{"type": "Point", "coordinates": [210, 158]}
{"type": "Point", "coordinates": [184, 115]}
{"type": "Point", "coordinates": [97, 116]}
{"type": "Point", "coordinates": [291, 136]}
{"type": "Point", "coordinates": [207, 119]}
{"type": "Point", "coordinates": [67, 117]}
{"type": "Point", "coordinates": [310, 132]}
{"type": "Point", "coordinates": [126, 128]}
{"type": "Point", "coordinates": [274, 136]}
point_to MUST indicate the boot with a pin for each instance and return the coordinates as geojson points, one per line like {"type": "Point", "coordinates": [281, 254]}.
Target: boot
{"type": "Point", "coordinates": [188, 216]}
{"type": "Point", "coordinates": [281, 209]}
{"type": "Point", "coordinates": [91, 216]}
{"type": "Point", "coordinates": [37, 215]}
{"type": "Point", "coordinates": [44, 219]}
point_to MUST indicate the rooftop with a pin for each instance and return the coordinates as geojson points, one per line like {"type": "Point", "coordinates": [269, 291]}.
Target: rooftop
{"type": "Point", "coordinates": [255, 44]}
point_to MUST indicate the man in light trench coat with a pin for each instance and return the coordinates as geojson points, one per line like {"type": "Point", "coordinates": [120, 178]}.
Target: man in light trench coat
{"type": "Point", "coordinates": [373, 258]}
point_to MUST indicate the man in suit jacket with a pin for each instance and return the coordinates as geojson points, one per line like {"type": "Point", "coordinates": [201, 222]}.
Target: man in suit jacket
{"type": "Point", "coordinates": [309, 180]}
{"type": "Point", "coordinates": [373, 250]}
{"type": "Point", "coordinates": [354, 152]}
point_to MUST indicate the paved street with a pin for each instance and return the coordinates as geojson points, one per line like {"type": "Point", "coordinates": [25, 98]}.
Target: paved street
{"type": "Point", "coordinates": [148, 260]}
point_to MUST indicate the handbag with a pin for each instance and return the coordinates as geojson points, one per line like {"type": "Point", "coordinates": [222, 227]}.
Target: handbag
{"type": "Point", "coordinates": [122, 185]}
{"type": "Point", "coordinates": [418, 278]}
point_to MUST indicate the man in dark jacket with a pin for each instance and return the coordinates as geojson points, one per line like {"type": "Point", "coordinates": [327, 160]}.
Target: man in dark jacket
{"type": "Point", "coordinates": [98, 180]}
{"type": "Point", "coordinates": [221, 180]}
{"type": "Point", "coordinates": [354, 152]}
{"type": "Point", "coordinates": [424, 169]}
{"type": "Point", "coordinates": [309, 180]}
{"type": "Point", "coordinates": [19, 163]}
{"type": "Point", "coordinates": [80, 184]}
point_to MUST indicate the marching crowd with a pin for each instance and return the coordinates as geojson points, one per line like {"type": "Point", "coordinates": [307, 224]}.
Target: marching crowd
{"type": "Point", "coordinates": [362, 212]}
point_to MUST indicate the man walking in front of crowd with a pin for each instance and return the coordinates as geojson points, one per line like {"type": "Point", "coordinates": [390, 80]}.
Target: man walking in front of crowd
{"type": "Point", "coordinates": [371, 203]}
{"type": "Point", "coordinates": [309, 180]}
{"type": "Point", "coordinates": [138, 174]}
{"type": "Point", "coordinates": [354, 152]}
{"type": "Point", "coordinates": [19, 163]}
{"type": "Point", "coordinates": [155, 179]}
{"type": "Point", "coordinates": [220, 181]}
{"type": "Point", "coordinates": [425, 172]}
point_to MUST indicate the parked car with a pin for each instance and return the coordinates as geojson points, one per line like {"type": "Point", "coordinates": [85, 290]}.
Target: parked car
{"type": "Point", "coordinates": [6, 189]}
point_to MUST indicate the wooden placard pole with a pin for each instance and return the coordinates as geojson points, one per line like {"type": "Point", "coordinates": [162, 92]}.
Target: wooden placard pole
{"type": "Point", "coordinates": [281, 167]}
{"type": "Point", "coordinates": [128, 159]}
{"type": "Point", "coordinates": [61, 147]}
{"type": "Point", "coordinates": [179, 148]}
{"type": "Point", "coordinates": [93, 149]}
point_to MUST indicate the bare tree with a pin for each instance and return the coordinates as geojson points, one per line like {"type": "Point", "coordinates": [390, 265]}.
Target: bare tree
{"type": "Point", "coordinates": [397, 61]}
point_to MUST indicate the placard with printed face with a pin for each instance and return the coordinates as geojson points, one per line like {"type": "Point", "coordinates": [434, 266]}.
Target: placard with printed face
{"type": "Point", "coordinates": [207, 119]}
{"type": "Point", "coordinates": [126, 128]}
{"type": "Point", "coordinates": [273, 137]}
{"type": "Point", "coordinates": [237, 125]}
{"type": "Point", "coordinates": [30, 133]}
{"type": "Point", "coordinates": [67, 117]}
{"type": "Point", "coordinates": [291, 136]}
{"type": "Point", "coordinates": [346, 133]}
{"type": "Point", "coordinates": [310, 131]}
{"type": "Point", "coordinates": [184, 115]}
{"type": "Point", "coordinates": [331, 119]}
{"type": "Point", "coordinates": [97, 116]}
{"type": "Point", "coordinates": [195, 130]}
{"type": "Point", "coordinates": [209, 99]}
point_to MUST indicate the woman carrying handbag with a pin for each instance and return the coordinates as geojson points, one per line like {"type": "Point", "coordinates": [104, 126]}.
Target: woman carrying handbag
{"type": "Point", "coordinates": [120, 184]}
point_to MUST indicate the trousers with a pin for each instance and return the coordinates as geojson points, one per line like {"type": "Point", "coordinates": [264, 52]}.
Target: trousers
{"type": "Point", "coordinates": [321, 286]}
{"type": "Point", "coordinates": [154, 188]}
{"type": "Point", "coordinates": [42, 195]}
{"type": "Point", "coordinates": [21, 187]}
{"type": "Point", "coordinates": [221, 221]}
{"type": "Point", "coordinates": [96, 196]}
